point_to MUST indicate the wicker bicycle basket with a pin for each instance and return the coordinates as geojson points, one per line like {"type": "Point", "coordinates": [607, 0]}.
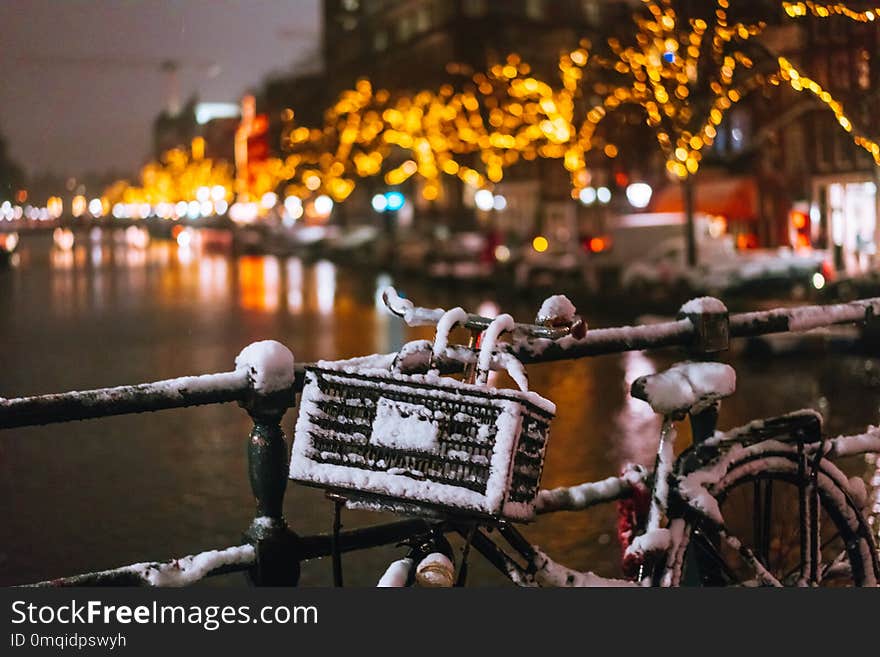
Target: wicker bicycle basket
{"type": "Point", "coordinates": [421, 443]}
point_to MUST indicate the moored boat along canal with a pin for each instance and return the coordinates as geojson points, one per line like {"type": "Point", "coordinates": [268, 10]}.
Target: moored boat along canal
{"type": "Point", "coordinates": [103, 493]}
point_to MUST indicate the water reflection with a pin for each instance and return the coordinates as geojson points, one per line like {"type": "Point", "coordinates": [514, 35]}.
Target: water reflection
{"type": "Point", "coordinates": [259, 283]}
{"type": "Point", "coordinates": [325, 286]}
{"type": "Point", "coordinates": [294, 271]}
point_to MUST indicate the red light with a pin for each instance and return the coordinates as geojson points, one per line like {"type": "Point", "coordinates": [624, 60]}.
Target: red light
{"type": "Point", "coordinates": [621, 179]}
{"type": "Point", "coordinates": [597, 245]}
{"type": "Point", "coordinates": [828, 271]}
{"type": "Point", "coordinates": [799, 220]}
{"type": "Point", "coordinates": [746, 241]}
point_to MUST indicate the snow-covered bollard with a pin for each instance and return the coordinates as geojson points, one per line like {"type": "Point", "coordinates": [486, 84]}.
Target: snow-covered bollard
{"type": "Point", "coordinates": [711, 324]}
{"type": "Point", "coordinates": [269, 367]}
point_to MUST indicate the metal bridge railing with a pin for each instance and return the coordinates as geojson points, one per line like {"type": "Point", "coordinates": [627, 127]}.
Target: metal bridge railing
{"type": "Point", "coordinates": [271, 552]}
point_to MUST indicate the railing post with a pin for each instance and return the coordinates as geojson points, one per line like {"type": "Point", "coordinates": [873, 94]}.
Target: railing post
{"type": "Point", "coordinates": [270, 368]}
{"type": "Point", "coordinates": [711, 335]}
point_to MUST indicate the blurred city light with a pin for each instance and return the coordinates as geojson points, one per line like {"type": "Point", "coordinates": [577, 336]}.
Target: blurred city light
{"type": "Point", "coordinates": [587, 195]}
{"type": "Point", "coordinates": [639, 194]}
{"type": "Point", "coordinates": [395, 201]}
{"type": "Point", "coordinates": [484, 200]}
{"type": "Point", "coordinates": [323, 205]}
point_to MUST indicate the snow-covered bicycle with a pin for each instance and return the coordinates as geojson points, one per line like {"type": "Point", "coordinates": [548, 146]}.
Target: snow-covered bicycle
{"type": "Point", "coordinates": [762, 504]}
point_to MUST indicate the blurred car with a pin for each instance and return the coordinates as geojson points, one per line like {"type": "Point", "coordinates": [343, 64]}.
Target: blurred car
{"type": "Point", "coordinates": [724, 270]}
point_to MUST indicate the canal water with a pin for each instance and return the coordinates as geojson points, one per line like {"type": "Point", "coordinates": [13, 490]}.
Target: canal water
{"type": "Point", "coordinates": [97, 494]}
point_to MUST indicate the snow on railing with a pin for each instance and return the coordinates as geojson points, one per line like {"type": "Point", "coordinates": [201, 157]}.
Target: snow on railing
{"type": "Point", "coordinates": [265, 382]}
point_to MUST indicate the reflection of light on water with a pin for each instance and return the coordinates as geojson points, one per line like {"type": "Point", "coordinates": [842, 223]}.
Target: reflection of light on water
{"type": "Point", "coordinates": [185, 255]}
{"type": "Point", "coordinates": [259, 279]}
{"type": "Point", "coordinates": [79, 256]}
{"type": "Point", "coordinates": [637, 426]}
{"type": "Point", "coordinates": [325, 286]}
{"type": "Point", "coordinates": [61, 259]}
{"type": "Point", "coordinates": [135, 258]}
{"type": "Point", "coordinates": [271, 284]}
{"type": "Point", "coordinates": [294, 271]}
{"type": "Point", "coordinates": [160, 254]}
{"type": "Point", "coordinates": [97, 255]}
{"type": "Point", "coordinates": [213, 274]}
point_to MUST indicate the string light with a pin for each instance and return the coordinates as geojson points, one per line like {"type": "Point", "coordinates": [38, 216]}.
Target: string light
{"type": "Point", "coordinates": [800, 82]}
{"type": "Point", "coordinates": [820, 10]}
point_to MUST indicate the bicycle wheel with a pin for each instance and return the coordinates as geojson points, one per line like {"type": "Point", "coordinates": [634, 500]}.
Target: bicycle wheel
{"type": "Point", "coordinates": [768, 513]}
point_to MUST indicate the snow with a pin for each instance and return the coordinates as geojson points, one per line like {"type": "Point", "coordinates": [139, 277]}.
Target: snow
{"type": "Point", "coordinates": [652, 541]}
{"type": "Point", "coordinates": [396, 575]}
{"type": "Point", "coordinates": [630, 337]}
{"type": "Point", "coordinates": [809, 317]}
{"type": "Point", "coordinates": [411, 315]}
{"type": "Point", "coordinates": [703, 305]}
{"type": "Point", "coordinates": [575, 498]}
{"type": "Point", "coordinates": [269, 364]}
{"type": "Point", "coordinates": [444, 326]}
{"type": "Point", "coordinates": [363, 363]}
{"type": "Point", "coordinates": [436, 570]}
{"type": "Point", "coordinates": [514, 368]}
{"type": "Point", "coordinates": [489, 339]}
{"type": "Point", "coordinates": [685, 386]}
{"type": "Point", "coordinates": [858, 444]}
{"type": "Point", "coordinates": [556, 309]}
{"type": "Point", "coordinates": [405, 426]}
{"type": "Point", "coordinates": [190, 569]}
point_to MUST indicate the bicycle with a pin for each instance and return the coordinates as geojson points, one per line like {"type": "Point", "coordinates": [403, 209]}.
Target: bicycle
{"type": "Point", "coordinates": [804, 520]}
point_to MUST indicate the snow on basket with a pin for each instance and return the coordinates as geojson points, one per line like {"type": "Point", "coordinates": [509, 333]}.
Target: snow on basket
{"type": "Point", "coordinates": [421, 443]}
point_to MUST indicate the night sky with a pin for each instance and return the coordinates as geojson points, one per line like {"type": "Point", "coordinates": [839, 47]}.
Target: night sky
{"type": "Point", "coordinates": [79, 79]}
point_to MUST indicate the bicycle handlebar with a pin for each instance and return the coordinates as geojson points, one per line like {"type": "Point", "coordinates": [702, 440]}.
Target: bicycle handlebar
{"type": "Point", "coordinates": [417, 316]}
{"type": "Point", "coordinates": [533, 343]}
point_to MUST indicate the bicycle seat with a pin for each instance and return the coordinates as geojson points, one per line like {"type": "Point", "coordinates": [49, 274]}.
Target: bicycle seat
{"type": "Point", "coordinates": [685, 387]}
